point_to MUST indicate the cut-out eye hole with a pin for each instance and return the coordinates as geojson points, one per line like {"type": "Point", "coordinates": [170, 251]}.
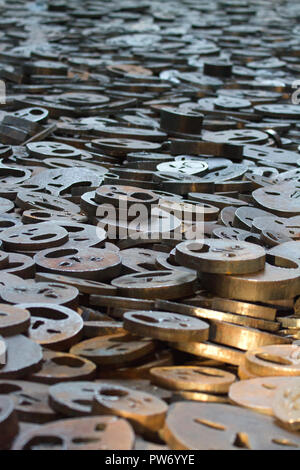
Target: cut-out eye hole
{"type": "Point", "coordinates": [210, 424]}
{"type": "Point", "coordinates": [100, 427]}
{"type": "Point", "coordinates": [37, 324]}
{"type": "Point", "coordinates": [284, 442]}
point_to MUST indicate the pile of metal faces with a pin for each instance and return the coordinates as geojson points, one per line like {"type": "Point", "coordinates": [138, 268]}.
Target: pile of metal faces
{"type": "Point", "coordinates": [150, 225]}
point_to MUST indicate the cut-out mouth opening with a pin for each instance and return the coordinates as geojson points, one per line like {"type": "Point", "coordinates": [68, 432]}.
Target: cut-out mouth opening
{"type": "Point", "coordinates": [47, 236]}
{"type": "Point", "coordinates": [279, 262]}
{"type": "Point", "coordinates": [45, 443]}
{"type": "Point", "coordinates": [63, 151]}
{"type": "Point", "coordinates": [61, 254]}
{"type": "Point", "coordinates": [146, 318]}
{"type": "Point", "coordinates": [85, 440]}
{"type": "Point", "coordinates": [44, 215]}
{"type": "Point", "coordinates": [71, 362]}
{"type": "Point", "coordinates": [46, 313]}
{"type": "Point", "coordinates": [210, 424]}
{"type": "Point", "coordinates": [273, 359]}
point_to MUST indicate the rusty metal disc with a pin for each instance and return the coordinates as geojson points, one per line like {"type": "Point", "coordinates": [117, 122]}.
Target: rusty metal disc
{"type": "Point", "coordinates": [274, 238]}
{"type": "Point", "coordinates": [163, 284]}
{"type": "Point", "coordinates": [63, 367]}
{"type": "Point", "coordinates": [40, 201]}
{"type": "Point", "coordinates": [144, 411]}
{"type": "Point", "coordinates": [86, 263]}
{"type": "Point", "coordinates": [73, 398]}
{"type": "Point", "coordinates": [53, 326]}
{"type": "Point", "coordinates": [244, 217]}
{"type": "Point", "coordinates": [230, 233]}
{"type": "Point", "coordinates": [41, 293]}
{"type": "Point", "coordinates": [138, 260]}
{"type": "Point", "coordinates": [197, 426]}
{"type": "Point", "coordinates": [277, 360]}
{"type": "Point", "coordinates": [6, 205]}
{"type": "Point", "coordinates": [189, 167]}
{"type": "Point", "coordinates": [18, 265]}
{"type": "Point", "coordinates": [166, 326]}
{"type": "Point", "coordinates": [289, 227]}
{"type": "Point", "coordinates": [34, 216]}
{"type": "Point", "coordinates": [221, 256]}
{"type": "Point", "coordinates": [278, 279]}
{"type": "Point", "coordinates": [63, 181]}
{"type": "Point", "coordinates": [122, 146]}
{"type": "Point", "coordinates": [259, 393]}
{"type": "Point", "coordinates": [9, 279]}
{"type": "Point", "coordinates": [24, 357]}
{"type": "Point", "coordinates": [42, 150]}
{"type": "Point", "coordinates": [203, 379]}
{"type": "Point", "coordinates": [100, 433]}
{"type": "Point", "coordinates": [280, 200]}
{"type": "Point", "coordinates": [8, 221]}
{"type": "Point", "coordinates": [81, 235]}
{"type": "Point", "coordinates": [114, 350]}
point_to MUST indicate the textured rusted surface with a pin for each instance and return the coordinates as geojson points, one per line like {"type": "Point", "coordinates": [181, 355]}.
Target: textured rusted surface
{"type": "Point", "coordinates": [149, 224]}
